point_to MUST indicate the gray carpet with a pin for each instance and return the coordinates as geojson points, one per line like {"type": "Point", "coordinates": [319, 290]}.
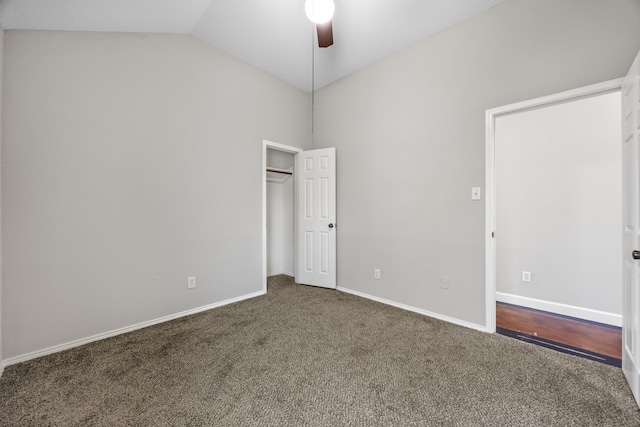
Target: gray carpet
{"type": "Point", "coordinates": [303, 356]}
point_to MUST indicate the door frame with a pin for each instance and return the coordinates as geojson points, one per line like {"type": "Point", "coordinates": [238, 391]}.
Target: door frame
{"type": "Point", "coordinates": [490, 182]}
{"type": "Point", "coordinates": [287, 149]}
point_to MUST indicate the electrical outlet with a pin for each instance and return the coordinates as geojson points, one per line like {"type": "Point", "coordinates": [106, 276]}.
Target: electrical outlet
{"type": "Point", "coordinates": [376, 273]}
{"type": "Point", "coordinates": [191, 282]}
{"type": "Point", "coordinates": [526, 276]}
{"type": "Point", "coordinates": [475, 193]}
{"type": "Point", "coordinates": [444, 282]}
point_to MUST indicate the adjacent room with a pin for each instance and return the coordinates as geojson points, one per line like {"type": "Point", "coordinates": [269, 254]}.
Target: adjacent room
{"type": "Point", "coordinates": [241, 213]}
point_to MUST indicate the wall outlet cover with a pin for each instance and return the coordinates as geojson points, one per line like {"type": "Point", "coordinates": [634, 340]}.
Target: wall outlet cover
{"type": "Point", "coordinates": [444, 282]}
{"type": "Point", "coordinates": [475, 193]}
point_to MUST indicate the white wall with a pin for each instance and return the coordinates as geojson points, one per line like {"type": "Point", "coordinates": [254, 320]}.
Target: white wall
{"type": "Point", "coordinates": [274, 228]}
{"type": "Point", "coordinates": [280, 217]}
{"type": "Point", "coordinates": [559, 203]}
{"type": "Point", "coordinates": [118, 153]}
{"type": "Point", "coordinates": [410, 138]}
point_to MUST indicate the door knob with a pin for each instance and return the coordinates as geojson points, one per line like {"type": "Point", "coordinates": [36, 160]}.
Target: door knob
{"type": "Point", "coordinates": [331, 226]}
{"type": "Point", "coordinates": [635, 254]}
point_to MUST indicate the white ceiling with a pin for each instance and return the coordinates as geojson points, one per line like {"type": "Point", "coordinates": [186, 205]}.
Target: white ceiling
{"type": "Point", "coordinates": [273, 35]}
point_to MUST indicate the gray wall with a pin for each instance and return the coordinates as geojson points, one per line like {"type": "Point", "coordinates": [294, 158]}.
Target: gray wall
{"type": "Point", "coordinates": [1, 291]}
{"type": "Point", "coordinates": [559, 203]}
{"type": "Point", "coordinates": [410, 137]}
{"type": "Point", "coordinates": [118, 150]}
{"type": "Point", "coordinates": [131, 162]}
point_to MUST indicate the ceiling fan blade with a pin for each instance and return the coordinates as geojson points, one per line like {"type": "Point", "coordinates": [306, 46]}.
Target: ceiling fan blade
{"type": "Point", "coordinates": [325, 34]}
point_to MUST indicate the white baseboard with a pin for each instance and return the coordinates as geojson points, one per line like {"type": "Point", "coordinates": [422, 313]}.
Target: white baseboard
{"type": "Point", "coordinates": [564, 309]}
{"type": "Point", "coordinates": [453, 320]}
{"type": "Point", "coordinates": [98, 337]}
{"type": "Point", "coordinates": [277, 273]}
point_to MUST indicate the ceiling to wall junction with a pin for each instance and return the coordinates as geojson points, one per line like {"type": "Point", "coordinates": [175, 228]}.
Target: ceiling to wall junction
{"type": "Point", "coordinates": [273, 35]}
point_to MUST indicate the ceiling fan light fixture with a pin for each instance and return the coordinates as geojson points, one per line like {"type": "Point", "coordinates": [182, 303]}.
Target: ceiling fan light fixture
{"type": "Point", "coordinates": [319, 11]}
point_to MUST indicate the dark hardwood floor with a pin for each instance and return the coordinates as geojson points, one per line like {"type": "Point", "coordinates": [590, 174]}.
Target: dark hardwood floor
{"type": "Point", "coordinates": [597, 338]}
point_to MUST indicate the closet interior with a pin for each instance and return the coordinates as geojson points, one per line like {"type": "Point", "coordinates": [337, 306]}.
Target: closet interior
{"type": "Point", "coordinates": [280, 213]}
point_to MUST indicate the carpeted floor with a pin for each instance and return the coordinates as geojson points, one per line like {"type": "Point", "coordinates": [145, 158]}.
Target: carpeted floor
{"type": "Point", "coordinates": [304, 356]}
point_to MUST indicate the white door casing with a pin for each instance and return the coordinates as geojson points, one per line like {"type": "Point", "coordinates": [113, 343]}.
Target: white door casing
{"type": "Point", "coordinates": [316, 218]}
{"type": "Point", "coordinates": [490, 200]}
{"type": "Point", "coordinates": [631, 228]}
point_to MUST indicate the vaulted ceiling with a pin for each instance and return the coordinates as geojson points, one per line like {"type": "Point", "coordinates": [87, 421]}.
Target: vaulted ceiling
{"type": "Point", "coordinates": [274, 35]}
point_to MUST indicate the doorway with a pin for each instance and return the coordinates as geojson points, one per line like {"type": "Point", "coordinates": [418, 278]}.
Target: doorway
{"type": "Point", "coordinates": [313, 174]}
{"type": "Point", "coordinates": [278, 210]}
{"type": "Point", "coordinates": [554, 207]}
{"type": "Point", "coordinates": [280, 213]}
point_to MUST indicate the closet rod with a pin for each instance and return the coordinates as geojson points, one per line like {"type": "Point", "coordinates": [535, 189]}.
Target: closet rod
{"type": "Point", "coordinates": [279, 171]}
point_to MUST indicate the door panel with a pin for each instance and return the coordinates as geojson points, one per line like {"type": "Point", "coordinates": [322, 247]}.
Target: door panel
{"type": "Point", "coordinates": [631, 228]}
{"type": "Point", "coordinates": [316, 218]}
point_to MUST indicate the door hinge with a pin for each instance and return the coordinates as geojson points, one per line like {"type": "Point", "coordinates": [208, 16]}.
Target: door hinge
{"type": "Point", "coordinates": [493, 234]}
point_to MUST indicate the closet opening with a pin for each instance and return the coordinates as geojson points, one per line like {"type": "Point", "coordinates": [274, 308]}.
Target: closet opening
{"type": "Point", "coordinates": [280, 213]}
{"type": "Point", "coordinates": [279, 210]}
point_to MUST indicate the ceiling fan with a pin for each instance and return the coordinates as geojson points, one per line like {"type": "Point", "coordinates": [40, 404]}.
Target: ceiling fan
{"type": "Point", "coordinates": [320, 12]}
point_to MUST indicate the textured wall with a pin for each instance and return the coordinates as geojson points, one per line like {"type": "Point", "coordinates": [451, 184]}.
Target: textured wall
{"type": "Point", "coordinates": [132, 161]}
{"type": "Point", "coordinates": [410, 137]}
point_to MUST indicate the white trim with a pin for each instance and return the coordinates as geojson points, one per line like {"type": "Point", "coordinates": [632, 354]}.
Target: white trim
{"type": "Point", "coordinates": [281, 147]}
{"type": "Point", "coordinates": [569, 95]}
{"type": "Point", "coordinates": [82, 341]}
{"type": "Point", "coordinates": [564, 309]}
{"type": "Point", "coordinates": [490, 247]}
{"type": "Point", "coordinates": [416, 310]}
{"type": "Point", "coordinates": [490, 118]}
{"type": "Point", "coordinates": [277, 273]}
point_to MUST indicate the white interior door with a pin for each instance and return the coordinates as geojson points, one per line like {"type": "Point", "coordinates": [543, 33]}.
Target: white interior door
{"type": "Point", "coordinates": [631, 228]}
{"type": "Point", "coordinates": [316, 218]}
